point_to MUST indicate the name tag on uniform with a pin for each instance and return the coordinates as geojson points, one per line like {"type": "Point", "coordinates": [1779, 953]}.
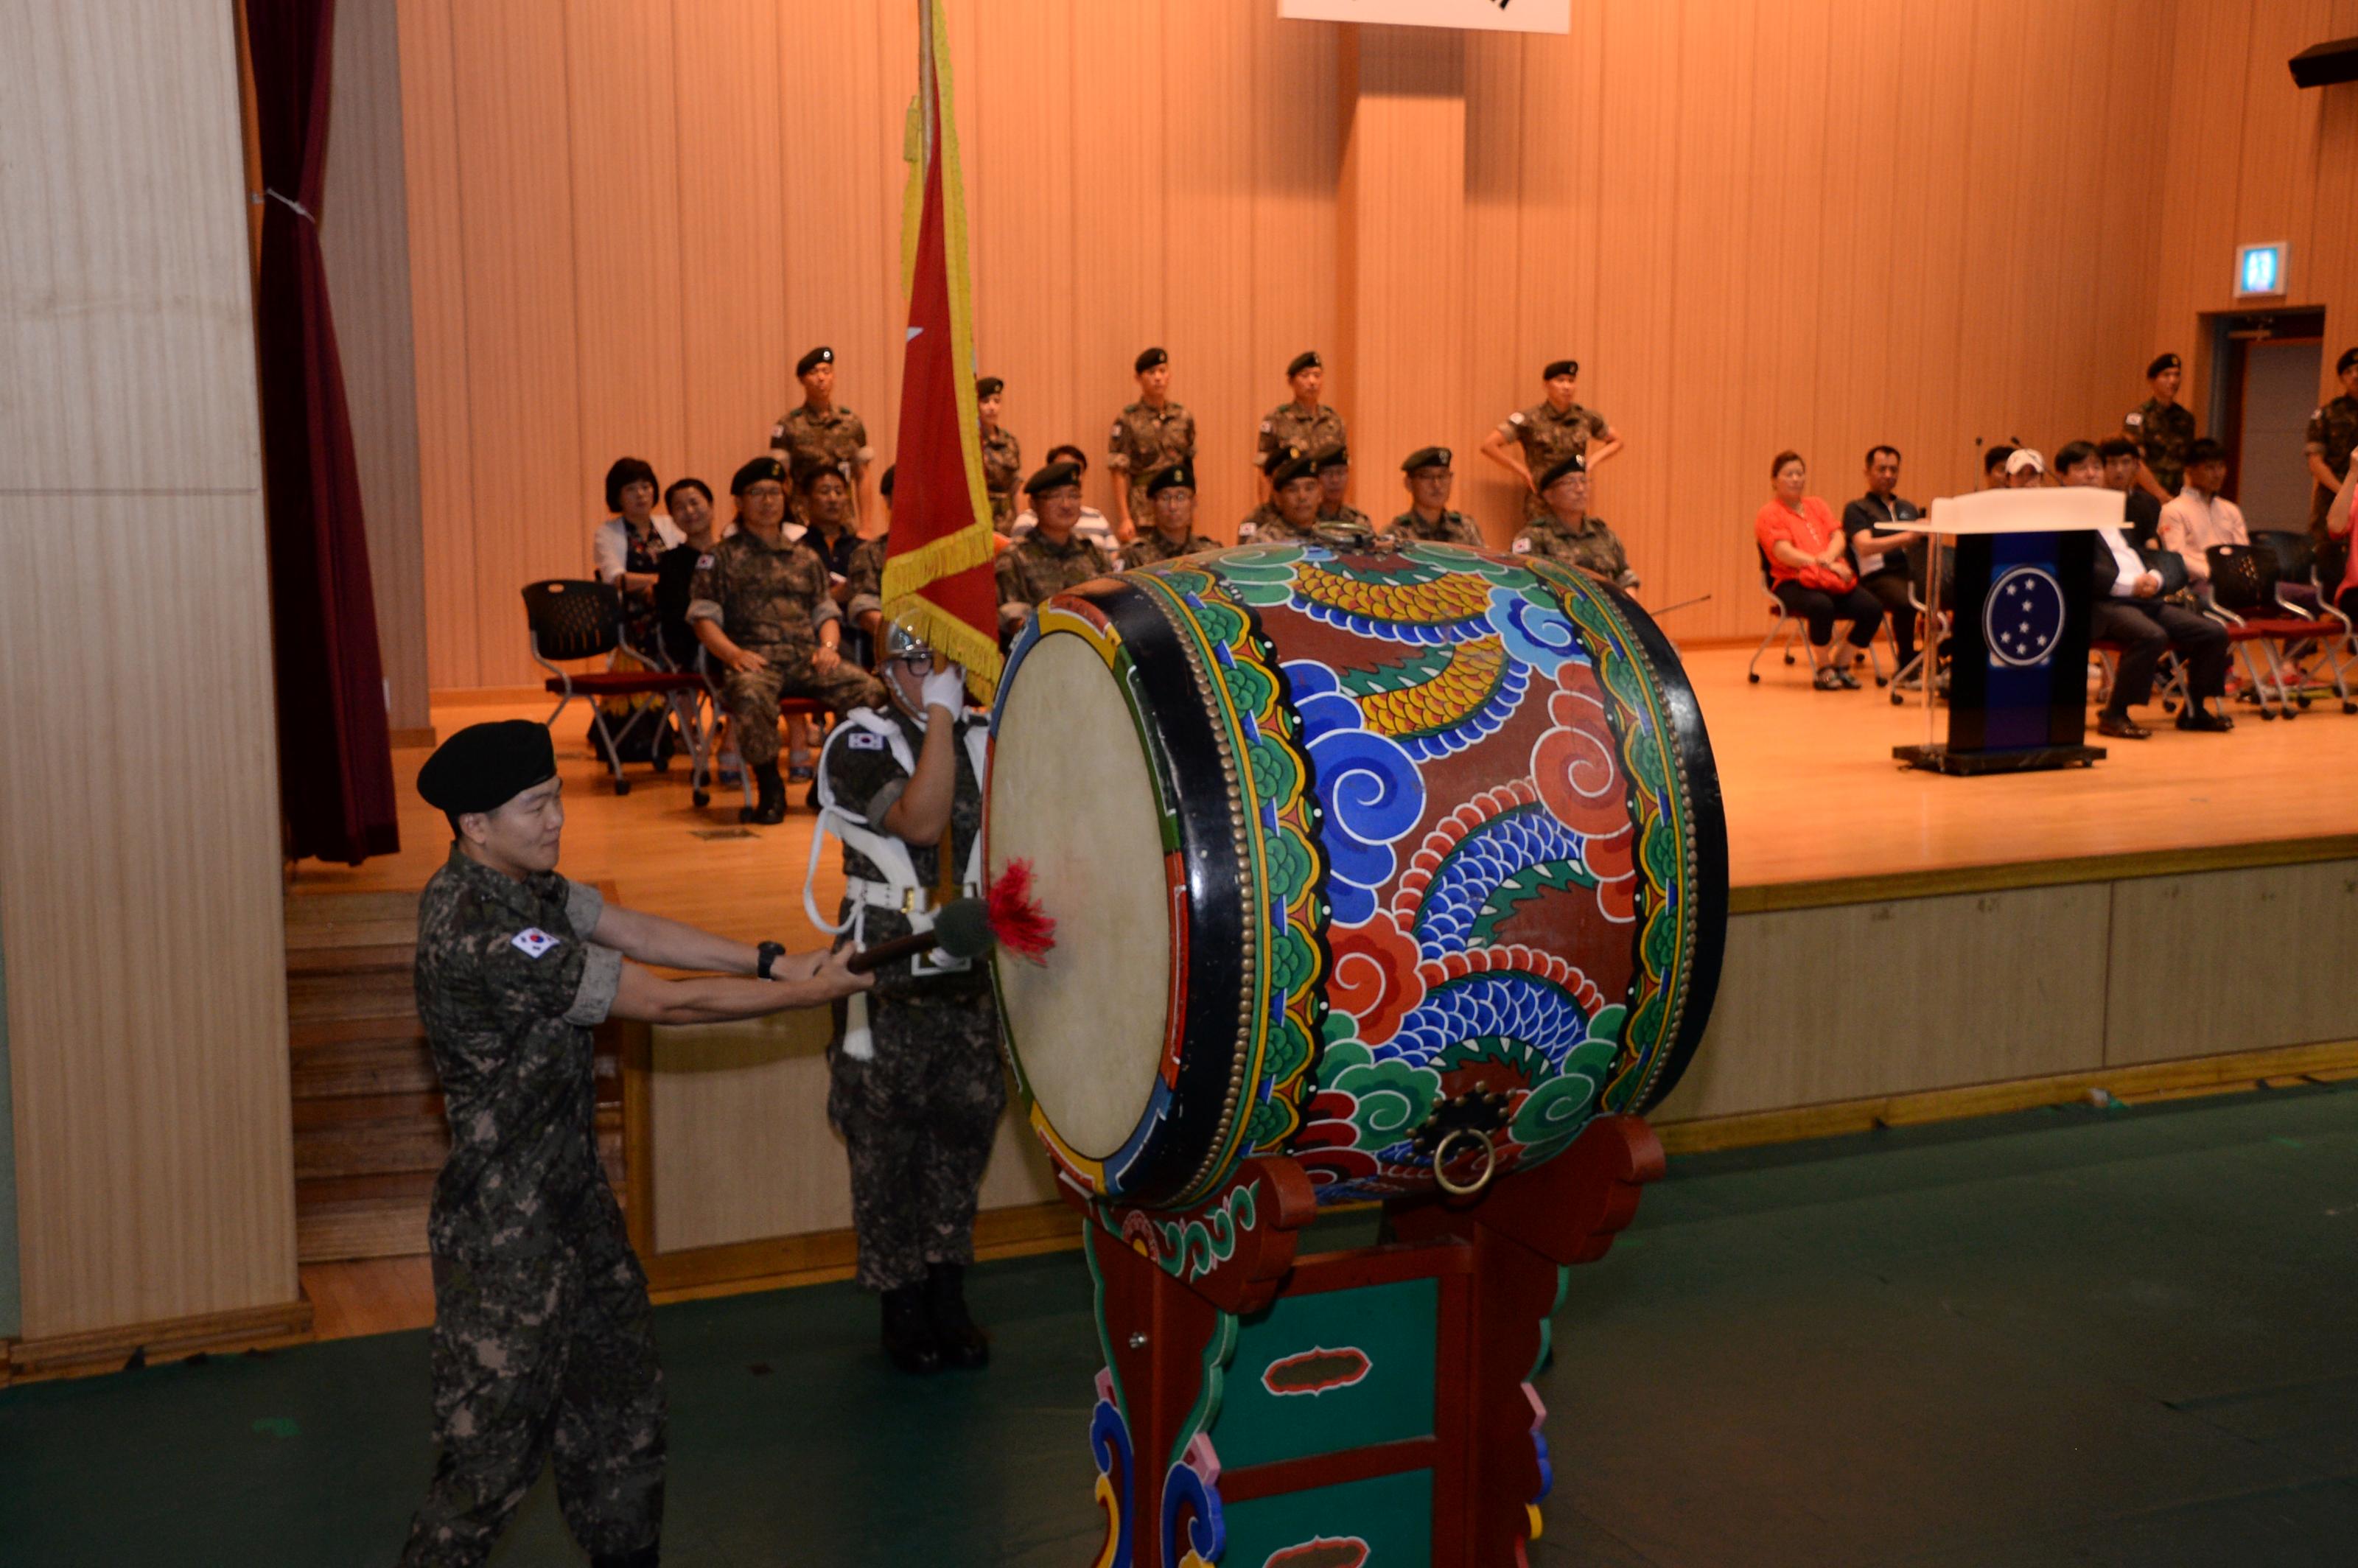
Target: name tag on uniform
{"type": "Point", "coordinates": [531, 942]}
{"type": "Point", "coordinates": [864, 741]}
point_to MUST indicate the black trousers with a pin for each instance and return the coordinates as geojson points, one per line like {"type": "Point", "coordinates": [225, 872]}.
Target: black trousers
{"type": "Point", "coordinates": [2145, 629]}
{"type": "Point", "coordinates": [1822, 609]}
{"type": "Point", "coordinates": [1890, 590]}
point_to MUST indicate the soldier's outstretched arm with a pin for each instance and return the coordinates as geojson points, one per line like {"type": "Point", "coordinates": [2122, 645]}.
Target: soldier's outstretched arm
{"type": "Point", "coordinates": [674, 944]}
{"type": "Point", "coordinates": [805, 979]}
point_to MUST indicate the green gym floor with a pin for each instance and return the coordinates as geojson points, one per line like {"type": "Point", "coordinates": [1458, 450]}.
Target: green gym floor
{"type": "Point", "coordinates": [2065, 1336]}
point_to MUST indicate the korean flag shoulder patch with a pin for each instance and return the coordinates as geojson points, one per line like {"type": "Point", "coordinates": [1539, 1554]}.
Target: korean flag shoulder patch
{"type": "Point", "coordinates": [2135, 419]}
{"type": "Point", "coordinates": [1521, 547]}
{"type": "Point", "coordinates": [864, 741]}
{"type": "Point", "coordinates": [704, 562]}
{"type": "Point", "coordinates": [531, 942]}
{"type": "Point", "coordinates": [1516, 418]}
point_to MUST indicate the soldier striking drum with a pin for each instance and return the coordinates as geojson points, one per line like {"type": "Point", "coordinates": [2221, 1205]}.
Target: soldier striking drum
{"type": "Point", "coordinates": [544, 1344]}
{"type": "Point", "coordinates": [914, 1084]}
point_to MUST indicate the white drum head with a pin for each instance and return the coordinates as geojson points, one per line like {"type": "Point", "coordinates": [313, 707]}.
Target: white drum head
{"type": "Point", "coordinates": [1070, 793]}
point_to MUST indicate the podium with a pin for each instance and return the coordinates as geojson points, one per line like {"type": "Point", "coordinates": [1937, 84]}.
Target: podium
{"type": "Point", "coordinates": [2019, 641]}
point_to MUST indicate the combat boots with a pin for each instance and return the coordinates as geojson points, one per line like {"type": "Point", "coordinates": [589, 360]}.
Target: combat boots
{"type": "Point", "coordinates": [772, 807]}
{"type": "Point", "coordinates": [909, 1331]}
{"type": "Point", "coordinates": [961, 1342]}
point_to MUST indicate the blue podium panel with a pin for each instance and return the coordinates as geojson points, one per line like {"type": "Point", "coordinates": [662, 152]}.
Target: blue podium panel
{"type": "Point", "coordinates": [2018, 656]}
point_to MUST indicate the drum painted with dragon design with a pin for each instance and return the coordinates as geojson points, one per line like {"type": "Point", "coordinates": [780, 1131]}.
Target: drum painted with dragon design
{"type": "Point", "coordinates": [1358, 852]}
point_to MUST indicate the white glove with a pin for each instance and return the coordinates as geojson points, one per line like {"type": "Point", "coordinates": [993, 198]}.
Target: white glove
{"type": "Point", "coordinates": [945, 687]}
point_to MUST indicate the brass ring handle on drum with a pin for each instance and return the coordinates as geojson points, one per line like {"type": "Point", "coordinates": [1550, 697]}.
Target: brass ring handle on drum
{"type": "Point", "coordinates": [1441, 1163]}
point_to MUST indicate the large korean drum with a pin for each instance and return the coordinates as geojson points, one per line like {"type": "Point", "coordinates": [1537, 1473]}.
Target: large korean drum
{"type": "Point", "coordinates": [1386, 858]}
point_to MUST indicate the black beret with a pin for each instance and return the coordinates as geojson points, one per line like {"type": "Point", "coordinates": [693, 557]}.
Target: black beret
{"type": "Point", "coordinates": [1288, 464]}
{"type": "Point", "coordinates": [1055, 476]}
{"type": "Point", "coordinates": [1425, 458]}
{"type": "Point", "coordinates": [2349, 357]}
{"type": "Point", "coordinates": [1278, 457]}
{"type": "Point", "coordinates": [1147, 360]}
{"type": "Point", "coordinates": [1306, 360]}
{"type": "Point", "coordinates": [624, 471]}
{"type": "Point", "coordinates": [1180, 475]}
{"type": "Point", "coordinates": [484, 766]}
{"type": "Point", "coordinates": [754, 472]}
{"type": "Point", "coordinates": [885, 485]}
{"type": "Point", "coordinates": [1560, 367]}
{"type": "Point", "coordinates": [1332, 458]}
{"type": "Point", "coordinates": [988, 386]}
{"type": "Point", "coordinates": [2161, 363]}
{"type": "Point", "coordinates": [1573, 464]}
{"type": "Point", "coordinates": [813, 360]}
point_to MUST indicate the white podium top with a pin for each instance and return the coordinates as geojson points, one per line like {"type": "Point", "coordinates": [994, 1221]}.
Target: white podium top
{"type": "Point", "coordinates": [2039, 510]}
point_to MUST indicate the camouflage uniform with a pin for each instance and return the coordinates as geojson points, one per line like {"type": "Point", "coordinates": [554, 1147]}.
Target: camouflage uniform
{"type": "Point", "coordinates": [918, 1117]}
{"type": "Point", "coordinates": [1151, 547]}
{"type": "Point", "coordinates": [1592, 547]}
{"type": "Point", "coordinates": [2163, 433]}
{"type": "Point", "coordinates": [1346, 516]}
{"type": "Point", "coordinates": [1451, 528]}
{"type": "Point", "coordinates": [544, 1344]}
{"type": "Point", "coordinates": [1031, 569]}
{"type": "Point", "coordinates": [1144, 442]}
{"type": "Point", "coordinates": [1265, 524]}
{"type": "Point", "coordinates": [2333, 435]}
{"type": "Point", "coordinates": [865, 576]}
{"type": "Point", "coordinates": [1548, 438]}
{"type": "Point", "coordinates": [835, 439]}
{"type": "Point", "coordinates": [1287, 425]}
{"type": "Point", "coordinates": [1002, 475]}
{"type": "Point", "coordinates": [773, 602]}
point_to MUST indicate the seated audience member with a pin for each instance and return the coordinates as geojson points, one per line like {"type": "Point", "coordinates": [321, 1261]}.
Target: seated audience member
{"type": "Point", "coordinates": [2123, 462]}
{"type": "Point", "coordinates": [1334, 469]}
{"type": "Point", "coordinates": [825, 501]}
{"type": "Point", "coordinates": [1881, 559]}
{"type": "Point", "coordinates": [1430, 478]}
{"type": "Point", "coordinates": [1566, 533]}
{"type": "Point", "coordinates": [2336, 550]}
{"type": "Point", "coordinates": [2201, 517]}
{"type": "Point", "coordinates": [1172, 532]}
{"type": "Point", "coordinates": [1809, 568]}
{"type": "Point", "coordinates": [689, 502]}
{"type": "Point", "coordinates": [1052, 555]}
{"type": "Point", "coordinates": [761, 607]}
{"type": "Point", "coordinates": [864, 604]}
{"type": "Point", "coordinates": [628, 545]}
{"type": "Point", "coordinates": [1092, 525]}
{"type": "Point", "coordinates": [2024, 469]}
{"type": "Point", "coordinates": [2128, 610]}
{"type": "Point", "coordinates": [1994, 466]}
{"type": "Point", "coordinates": [1291, 513]}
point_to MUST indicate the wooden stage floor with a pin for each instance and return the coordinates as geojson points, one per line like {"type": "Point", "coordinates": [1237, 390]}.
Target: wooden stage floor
{"type": "Point", "coordinates": [1812, 796]}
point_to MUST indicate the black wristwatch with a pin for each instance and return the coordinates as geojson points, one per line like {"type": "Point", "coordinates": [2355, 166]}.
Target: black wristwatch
{"type": "Point", "coordinates": [771, 952]}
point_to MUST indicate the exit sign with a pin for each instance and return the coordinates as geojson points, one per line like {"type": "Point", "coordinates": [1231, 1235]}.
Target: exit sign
{"type": "Point", "coordinates": [2259, 270]}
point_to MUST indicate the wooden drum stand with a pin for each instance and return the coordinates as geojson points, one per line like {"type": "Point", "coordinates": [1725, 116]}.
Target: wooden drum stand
{"type": "Point", "coordinates": [1261, 1411]}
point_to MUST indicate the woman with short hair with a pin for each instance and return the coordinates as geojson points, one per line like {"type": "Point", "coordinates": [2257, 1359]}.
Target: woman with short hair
{"type": "Point", "coordinates": [1809, 568]}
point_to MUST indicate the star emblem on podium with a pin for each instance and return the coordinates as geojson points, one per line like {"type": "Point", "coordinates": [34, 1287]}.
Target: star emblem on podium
{"type": "Point", "coordinates": [2023, 618]}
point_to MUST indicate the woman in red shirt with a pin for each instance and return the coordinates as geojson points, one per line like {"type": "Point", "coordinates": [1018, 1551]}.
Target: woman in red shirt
{"type": "Point", "coordinates": [1809, 568]}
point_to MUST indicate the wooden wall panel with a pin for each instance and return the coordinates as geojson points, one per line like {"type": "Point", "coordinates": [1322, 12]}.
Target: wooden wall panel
{"type": "Point", "coordinates": [146, 1019]}
{"type": "Point", "coordinates": [2176, 990]}
{"type": "Point", "coordinates": [622, 120]}
{"type": "Point", "coordinates": [1756, 224]}
{"type": "Point", "coordinates": [1770, 1044]}
{"type": "Point", "coordinates": [742, 1146]}
{"type": "Point", "coordinates": [364, 235]}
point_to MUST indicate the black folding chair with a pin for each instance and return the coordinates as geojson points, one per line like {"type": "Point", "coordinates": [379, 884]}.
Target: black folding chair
{"type": "Point", "coordinates": [570, 620]}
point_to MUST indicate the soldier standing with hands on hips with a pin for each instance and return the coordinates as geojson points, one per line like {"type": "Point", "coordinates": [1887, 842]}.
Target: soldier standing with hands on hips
{"type": "Point", "coordinates": [2163, 430]}
{"type": "Point", "coordinates": [914, 1083]}
{"type": "Point", "coordinates": [1549, 431]}
{"type": "Point", "coordinates": [1301, 422]}
{"type": "Point", "coordinates": [544, 1342]}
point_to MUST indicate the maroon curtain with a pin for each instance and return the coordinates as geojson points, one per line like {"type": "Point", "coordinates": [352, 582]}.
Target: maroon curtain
{"type": "Point", "coordinates": [335, 751]}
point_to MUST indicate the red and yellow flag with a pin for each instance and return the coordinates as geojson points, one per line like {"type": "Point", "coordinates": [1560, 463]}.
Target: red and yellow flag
{"type": "Point", "coordinates": [937, 570]}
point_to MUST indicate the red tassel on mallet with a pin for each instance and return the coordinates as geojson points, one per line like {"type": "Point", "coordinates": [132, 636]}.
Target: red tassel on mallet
{"type": "Point", "coordinates": [1017, 921]}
